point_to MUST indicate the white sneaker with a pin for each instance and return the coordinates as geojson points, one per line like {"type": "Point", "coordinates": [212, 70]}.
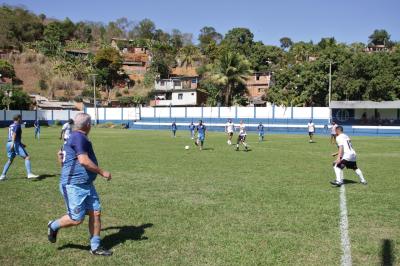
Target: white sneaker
{"type": "Point", "coordinates": [32, 176]}
{"type": "Point", "coordinates": [3, 177]}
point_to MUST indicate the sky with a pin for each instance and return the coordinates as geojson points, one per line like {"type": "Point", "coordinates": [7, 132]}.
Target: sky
{"type": "Point", "coordinates": [301, 20]}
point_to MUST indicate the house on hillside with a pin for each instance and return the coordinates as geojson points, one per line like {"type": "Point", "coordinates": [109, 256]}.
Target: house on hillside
{"type": "Point", "coordinates": [257, 85]}
{"type": "Point", "coordinates": [376, 48]}
{"type": "Point", "coordinates": [181, 89]}
{"type": "Point", "coordinates": [136, 60]}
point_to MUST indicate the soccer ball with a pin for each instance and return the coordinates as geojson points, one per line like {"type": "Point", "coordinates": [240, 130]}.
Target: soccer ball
{"type": "Point", "coordinates": [186, 147]}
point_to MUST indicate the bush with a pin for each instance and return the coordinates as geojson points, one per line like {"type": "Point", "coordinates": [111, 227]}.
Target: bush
{"type": "Point", "coordinates": [78, 99]}
{"type": "Point", "coordinates": [118, 94]}
{"type": "Point", "coordinates": [57, 123]}
{"type": "Point", "coordinates": [125, 91]}
{"type": "Point", "coordinates": [43, 85]}
{"type": "Point", "coordinates": [62, 99]}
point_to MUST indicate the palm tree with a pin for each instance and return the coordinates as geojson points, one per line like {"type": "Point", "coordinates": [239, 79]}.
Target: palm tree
{"type": "Point", "coordinates": [231, 70]}
{"type": "Point", "coordinates": [188, 55]}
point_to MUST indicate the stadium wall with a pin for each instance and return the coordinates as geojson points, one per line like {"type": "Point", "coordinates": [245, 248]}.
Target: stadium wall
{"type": "Point", "coordinates": [275, 119]}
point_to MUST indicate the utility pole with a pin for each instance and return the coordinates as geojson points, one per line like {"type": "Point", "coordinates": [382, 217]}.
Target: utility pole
{"type": "Point", "coordinates": [94, 97]}
{"type": "Point", "coordinates": [330, 91]}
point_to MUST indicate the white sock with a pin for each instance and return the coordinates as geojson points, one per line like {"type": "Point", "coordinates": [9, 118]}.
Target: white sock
{"type": "Point", "coordinates": [360, 175]}
{"type": "Point", "coordinates": [339, 174]}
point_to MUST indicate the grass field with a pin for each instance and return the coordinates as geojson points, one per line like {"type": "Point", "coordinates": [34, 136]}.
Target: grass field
{"type": "Point", "coordinates": [165, 205]}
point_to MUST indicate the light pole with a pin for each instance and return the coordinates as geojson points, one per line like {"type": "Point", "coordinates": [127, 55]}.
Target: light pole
{"type": "Point", "coordinates": [94, 97]}
{"type": "Point", "coordinates": [330, 89]}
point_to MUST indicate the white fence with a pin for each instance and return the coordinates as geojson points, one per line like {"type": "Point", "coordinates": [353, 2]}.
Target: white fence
{"type": "Point", "coordinates": [270, 112]}
{"type": "Point", "coordinates": [137, 113]}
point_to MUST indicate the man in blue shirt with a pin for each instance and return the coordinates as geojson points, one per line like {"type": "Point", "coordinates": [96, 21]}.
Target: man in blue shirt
{"type": "Point", "coordinates": [192, 127]}
{"type": "Point", "coordinates": [79, 170]}
{"type": "Point", "coordinates": [174, 128]}
{"type": "Point", "coordinates": [260, 130]}
{"type": "Point", "coordinates": [16, 147]}
{"type": "Point", "coordinates": [201, 134]}
{"type": "Point", "coordinates": [36, 124]}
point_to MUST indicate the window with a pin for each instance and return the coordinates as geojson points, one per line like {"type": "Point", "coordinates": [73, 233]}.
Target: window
{"type": "Point", "coordinates": [257, 77]}
{"type": "Point", "coordinates": [194, 81]}
{"type": "Point", "coordinates": [180, 96]}
{"type": "Point", "coordinates": [162, 83]}
{"type": "Point", "coordinates": [260, 90]}
{"type": "Point", "coordinates": [177, 83]}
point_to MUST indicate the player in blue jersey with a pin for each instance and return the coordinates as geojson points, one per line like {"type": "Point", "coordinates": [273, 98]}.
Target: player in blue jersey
{"type": "Point", "coordinates": [192, 127]}
{"type": "Point", "coordinates": [79, 170]}
{"type": "Point", "coordinates": [16, 147]}
{"type": "Point", "coordinates": [174, 128]}
{"type": "Point", "coordinates": [36, 124]}
{"type": "Point", "coordinates": [260, 129]}
{"type": "Point", "coordinates": [201, 134]}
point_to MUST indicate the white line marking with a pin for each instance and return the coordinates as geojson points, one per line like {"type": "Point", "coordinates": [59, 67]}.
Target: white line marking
{"type": "Point", "coordinates": [344, 229]}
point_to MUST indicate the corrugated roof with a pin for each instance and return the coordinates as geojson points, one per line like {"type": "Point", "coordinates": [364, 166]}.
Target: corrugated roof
{"type": "Point", "coordinates": [364, 105]}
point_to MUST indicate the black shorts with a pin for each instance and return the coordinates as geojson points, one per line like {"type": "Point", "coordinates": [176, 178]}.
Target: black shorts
{"type": "Point", "coordinates": [347, 164]}
{"type": "Point", "coordinates": [310, 133]}
{"type": "Point", "coordinates": [230, 134]}
{"type": "Point", "coordinates": [241, 138]}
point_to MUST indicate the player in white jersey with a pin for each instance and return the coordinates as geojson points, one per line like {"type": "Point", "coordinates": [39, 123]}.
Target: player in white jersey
{"type": "Point", "coordinates": [346, 158]}
{"type": "Point", "coordinates": [333, 132]}
{"type": "Point", "coordinates": [311, 130]}
{"type": "Point", "coordinates": [66, 130]}
{"type": "Point", "coordinates": [229, 128]}
{"type": "Point", "coordinates": [242, 136]}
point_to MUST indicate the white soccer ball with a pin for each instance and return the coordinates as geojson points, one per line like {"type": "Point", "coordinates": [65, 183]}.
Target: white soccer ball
{"type": "Point", "coordinates": [186, 147]}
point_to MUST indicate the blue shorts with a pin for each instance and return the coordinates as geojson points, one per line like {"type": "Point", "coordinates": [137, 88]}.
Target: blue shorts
{"type": "Point", "coordinates": [79, 199]}
{"type": "Point", "coordinates": [261, 133]}
{"type": "Point", "coordinates": [201, 137]}
{"type": "Point", "coordinates": [18, 150]}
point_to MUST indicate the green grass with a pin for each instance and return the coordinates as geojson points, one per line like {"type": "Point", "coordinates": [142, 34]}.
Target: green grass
{"type": "Point", "coordinates": [270, 206]}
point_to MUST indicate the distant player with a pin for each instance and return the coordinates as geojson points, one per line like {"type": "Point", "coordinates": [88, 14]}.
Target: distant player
{"type": "Point", "coordinates": [346, 158]}
{"type": "Point", "coordinates": [16, 147]}
{"type": "Point", "coordinates": [36, 124]}
{"type": "Point", "coordinates": [260, 129]}
{"type": "Point", "coordinates": [311, 130]}
{"type": "Point", "coordinates": [229, 128]}
{"type": "Point", "coordinates": [66, 130]}
{"type": "Point", "coordinates": [192, 128]}
{"type": "Point", "coordinates": [333, 132]}
{"type": "Point", "coordinates": [174, 128]}
{"type": "Point", "coordinates": [201, 135]}
{"type": "Point", "coordinates": [79, 171]}
{"type": "Point", "coordinates": [242, 137]}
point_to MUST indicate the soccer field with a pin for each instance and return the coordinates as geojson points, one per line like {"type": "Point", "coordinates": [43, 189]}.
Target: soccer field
{"type": "Point", "coordinates": [170, 206]}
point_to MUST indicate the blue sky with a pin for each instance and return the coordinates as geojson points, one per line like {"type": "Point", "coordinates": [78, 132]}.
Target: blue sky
{"type": "Point", "coordinates": [346, 20]}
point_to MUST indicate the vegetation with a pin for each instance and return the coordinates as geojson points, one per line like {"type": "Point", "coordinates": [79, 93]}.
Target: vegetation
{"type": "Point", "coordinates": [299, 69]}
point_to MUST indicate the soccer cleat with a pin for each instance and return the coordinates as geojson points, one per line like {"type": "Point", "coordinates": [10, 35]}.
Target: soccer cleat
{"type": "Point", "coordinates": [364, 182]}
{"type": "Point", "coordinates": [32, 176]}
{"type": "Point", "coordinates": [335, 183]}
{"type": "Point", "coordinates": [100, 251]}
{"type": "Point", "coordinates": [3, 177]}
{"type": "Point", "coordinates": [51, 234]}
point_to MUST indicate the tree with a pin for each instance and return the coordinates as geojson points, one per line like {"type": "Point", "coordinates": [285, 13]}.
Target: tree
{"type": "Point", "coordinates": [263, 57]}
{"type": "Point", "coordinates": [145, 29]}
{"type": "Point", "coordinates": [208, 36]}
{"type": "Point", "coordinates": [380, 37]}
{"type": "Point", "coordinates": [230, 71]}
{"type": "Point", "coordinates": [108, 63]}
{"type": "Point", "coordinates": [6, 69]}
{"type": "Point", "coordinates": [239, 40]}
{"type": "Point", "coordinates": [188, 55]}
{"type": "Point", "coordinates": [17, 26]}
{"type": "Point", "coordinates": [286, 42]}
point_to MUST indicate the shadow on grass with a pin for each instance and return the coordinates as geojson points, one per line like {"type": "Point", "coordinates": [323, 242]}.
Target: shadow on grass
{"type": "Point", "coordinates": [349, 182]}
{"type": "Point", "coordinates": [42, 177]}
{"type": "Point", "coordinates": [208, 149]}
{"type": "Point", "coordinates": [387, 258]}
{"type": "Point", "coordinates": [124, 233]}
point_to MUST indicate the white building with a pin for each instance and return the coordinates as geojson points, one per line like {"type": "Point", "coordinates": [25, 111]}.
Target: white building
{"type": "Point", "coordinates": [178, 91]}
